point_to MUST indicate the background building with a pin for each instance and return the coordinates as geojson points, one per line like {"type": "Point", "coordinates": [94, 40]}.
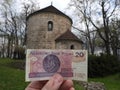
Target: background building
{"type": "Point", "coordinates": [49, 28]}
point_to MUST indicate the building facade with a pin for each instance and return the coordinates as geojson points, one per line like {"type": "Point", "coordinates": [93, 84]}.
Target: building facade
{"type": "Point", "coordinates": [49, 28]}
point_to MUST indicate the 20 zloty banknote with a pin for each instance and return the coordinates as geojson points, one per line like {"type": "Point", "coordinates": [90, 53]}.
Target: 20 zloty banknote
{"type": "Point", "coordinates": [41, 64]}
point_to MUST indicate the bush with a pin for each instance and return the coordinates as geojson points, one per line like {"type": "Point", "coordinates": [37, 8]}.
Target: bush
{"type": "Point", "coordinates": [100, 66]}
{"type": "Point", "coordinates": [19, 53]}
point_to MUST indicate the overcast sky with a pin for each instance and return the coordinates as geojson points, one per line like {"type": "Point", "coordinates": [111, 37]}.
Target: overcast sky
{"type": "Point", "coordinates": [60, 4]}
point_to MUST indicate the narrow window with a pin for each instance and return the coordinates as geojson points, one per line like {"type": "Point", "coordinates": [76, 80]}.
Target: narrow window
{"type": "Point", "coordinates": [72, 47]}
{"type": "Point", "coordinates": [50, 26]}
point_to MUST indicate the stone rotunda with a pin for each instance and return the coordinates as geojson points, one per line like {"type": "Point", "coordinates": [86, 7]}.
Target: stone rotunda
{"type": "Point", "coordinates": [49, 28]}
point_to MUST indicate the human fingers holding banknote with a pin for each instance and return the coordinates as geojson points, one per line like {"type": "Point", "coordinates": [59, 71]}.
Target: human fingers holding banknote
{"type": "Point", "coordinates": [55, 83]}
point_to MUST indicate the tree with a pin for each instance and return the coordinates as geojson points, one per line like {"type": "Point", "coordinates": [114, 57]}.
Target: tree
{"type": "Point", "coordinates": [83, 11]}
{"type": "Point", "coordinates": [27, 9]}
{"type": "Point", "coordinates": [5, 8]}
{"type": "Point", "coordinates": [115, 36]}
{"type": "Point", "coordinates": [11, 26]}
{"type": "Point", "coordinates": [99, 14]}
{"type": "Point", "coordinates": [15, 25]}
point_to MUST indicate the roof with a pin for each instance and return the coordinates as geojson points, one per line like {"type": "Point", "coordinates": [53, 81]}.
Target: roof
{"type": "Point", "coordinates": [50, 9]}
{"type": "Point", "coordinates": [68, 35]}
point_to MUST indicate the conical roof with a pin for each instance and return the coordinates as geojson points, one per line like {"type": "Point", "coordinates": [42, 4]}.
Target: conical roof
{"type": "Point", "coordinates": [68, 35]}
{"type": "Point", "coordinates": [50, 9]}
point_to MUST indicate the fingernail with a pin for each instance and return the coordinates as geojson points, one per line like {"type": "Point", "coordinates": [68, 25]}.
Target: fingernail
{"type": "Point", "coordinates": [58, 78]}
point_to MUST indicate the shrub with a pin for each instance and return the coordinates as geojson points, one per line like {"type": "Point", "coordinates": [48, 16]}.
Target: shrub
{"type": "Point", "coordinates": [19, 53]}
{"type": "Point", "coordinates": [100, 66]}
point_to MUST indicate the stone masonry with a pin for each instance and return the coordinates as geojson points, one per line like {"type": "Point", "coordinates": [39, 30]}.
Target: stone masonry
{"type": "Point", "coordinates": [38, 36]}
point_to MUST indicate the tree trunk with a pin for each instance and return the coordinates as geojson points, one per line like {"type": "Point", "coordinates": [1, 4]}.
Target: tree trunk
{"type": "Point", "coordinates": [107, 46]}
{"type": "Point", "coordinates": [8, 47]}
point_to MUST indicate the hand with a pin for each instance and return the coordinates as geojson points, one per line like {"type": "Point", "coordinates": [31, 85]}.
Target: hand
{"type": "Point", "coordinates": [55, 83]}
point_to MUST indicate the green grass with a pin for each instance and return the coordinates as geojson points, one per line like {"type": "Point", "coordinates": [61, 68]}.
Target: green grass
{"type": "Point", "coordinates": [111, 82]}
{"type": "Point", "coordinates": [13, 78]}
{"type": "Point", "coordinates": [77, 86]}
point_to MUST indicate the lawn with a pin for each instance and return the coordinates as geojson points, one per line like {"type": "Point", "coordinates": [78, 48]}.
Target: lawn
{"type": "Point", "coordinates": [12, 77]}
{"type": "Point", "coordinates": [111, 82]}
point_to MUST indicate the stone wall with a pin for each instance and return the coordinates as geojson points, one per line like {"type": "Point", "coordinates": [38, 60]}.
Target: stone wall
{"type": "Point", "coordinates": [66, 44]}
{"type": "Point", "coordinates": [92, 85]}
{"type": "Point", "coordinates": [38, 35]}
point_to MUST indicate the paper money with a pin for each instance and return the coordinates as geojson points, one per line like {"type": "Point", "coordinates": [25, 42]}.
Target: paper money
{"type": "Point", "coordinates": [41, 64]}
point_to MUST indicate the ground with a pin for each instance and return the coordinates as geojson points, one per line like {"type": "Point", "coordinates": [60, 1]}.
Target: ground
{"type": "Point", "coordinates": [12, 77]}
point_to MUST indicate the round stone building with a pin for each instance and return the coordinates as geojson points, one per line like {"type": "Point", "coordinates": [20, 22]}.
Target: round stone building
{"type": "Point", "coordinates": [49, 28]}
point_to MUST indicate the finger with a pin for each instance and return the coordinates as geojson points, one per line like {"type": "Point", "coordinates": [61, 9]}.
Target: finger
{"type": "Point", "coordinates": [66, 85]}
{"type": "Point", "coordinates": [72, 88]}
{"type": "Point", "coordinates": [36, 85]}
{"type": "Point", "coordinates": [54, 83]}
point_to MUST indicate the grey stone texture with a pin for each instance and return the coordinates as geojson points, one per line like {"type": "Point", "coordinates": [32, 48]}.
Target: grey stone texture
{"type": "Point", "coordinates": [92, 85]}
{"type": "Point", "coordinates": [38, 36]}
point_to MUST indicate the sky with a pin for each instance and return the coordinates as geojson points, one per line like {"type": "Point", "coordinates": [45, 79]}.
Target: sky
{"type": "Point", "coordinates": [59, 4]}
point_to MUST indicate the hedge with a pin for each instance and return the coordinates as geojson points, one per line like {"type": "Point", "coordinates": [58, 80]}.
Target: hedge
{"type": "Point", "coordinates": [100, 66]}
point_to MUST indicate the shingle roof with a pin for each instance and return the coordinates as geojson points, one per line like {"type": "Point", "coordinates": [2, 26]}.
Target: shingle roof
{"type": "Point", "coordinates": [68, 35]}
{"type": "Point", "coordinates": [50, 9]}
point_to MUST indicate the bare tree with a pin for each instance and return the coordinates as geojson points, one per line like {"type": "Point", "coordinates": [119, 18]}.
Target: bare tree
{"type": "Point", "coordinates": [15, 24]}
{"type": "Point", "coordinates": [5, 7]}
{"type": "Point", "coordinates": [83, 11]}
{"type": "Point", "coordinates": [99, 14]}
{"type": "Point", "coordinates": [115, 36]}
{"type": "Point", "coordinates": [27, 9]}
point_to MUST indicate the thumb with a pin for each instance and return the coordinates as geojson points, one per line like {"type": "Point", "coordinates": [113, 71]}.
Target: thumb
{"type": "Point", "coordinates": [54, 83]}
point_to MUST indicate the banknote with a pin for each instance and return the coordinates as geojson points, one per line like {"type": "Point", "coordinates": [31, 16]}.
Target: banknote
{"type": "Point", "coordinates": [41, 64]}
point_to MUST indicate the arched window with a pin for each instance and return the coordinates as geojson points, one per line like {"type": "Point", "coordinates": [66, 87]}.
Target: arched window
{"type": "Point", "coordinates": [72, 47]}
{"type": "Point", "coordinates": [50, 25]}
